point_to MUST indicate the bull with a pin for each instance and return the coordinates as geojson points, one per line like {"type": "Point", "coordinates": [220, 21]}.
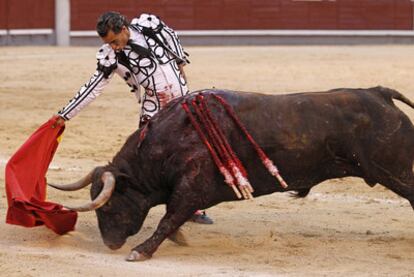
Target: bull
{"type": "Point", "coordinates": [312, 137]}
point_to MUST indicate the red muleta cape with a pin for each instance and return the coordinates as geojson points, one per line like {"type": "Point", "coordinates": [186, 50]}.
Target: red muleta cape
{"type": "Point", "coordinates": [26, 183]}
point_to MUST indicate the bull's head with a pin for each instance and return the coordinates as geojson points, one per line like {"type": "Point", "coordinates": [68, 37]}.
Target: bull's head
{"type": "Point", "coordinates": [120, 209]}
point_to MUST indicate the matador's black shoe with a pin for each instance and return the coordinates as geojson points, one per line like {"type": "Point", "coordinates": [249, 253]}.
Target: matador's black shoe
{"type": "Point", "coordinates": [201, 217]}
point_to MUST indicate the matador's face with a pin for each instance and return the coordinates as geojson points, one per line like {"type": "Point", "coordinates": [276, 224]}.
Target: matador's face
{"type": "Point", "coordinates": [117, 41]}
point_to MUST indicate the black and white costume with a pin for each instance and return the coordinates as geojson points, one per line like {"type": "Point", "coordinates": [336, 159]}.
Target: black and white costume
{"type": "Point", "coordinates": [150, 59]}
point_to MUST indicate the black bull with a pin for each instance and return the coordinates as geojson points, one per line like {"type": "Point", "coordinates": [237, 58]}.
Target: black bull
{"type": "Point", "coordinates": [311, 137]}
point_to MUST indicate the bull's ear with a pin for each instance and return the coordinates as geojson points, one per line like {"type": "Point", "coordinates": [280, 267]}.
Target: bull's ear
{"type": "Point", "coordinates": [96, 181]}
{"type": "Point", "coordinates": [97, 173]}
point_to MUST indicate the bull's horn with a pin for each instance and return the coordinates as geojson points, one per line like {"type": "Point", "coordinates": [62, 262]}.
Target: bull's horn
{"type": "Point", "coordinates": [77, 185]}
{"type": "Point", "coordinates": [108, 180]}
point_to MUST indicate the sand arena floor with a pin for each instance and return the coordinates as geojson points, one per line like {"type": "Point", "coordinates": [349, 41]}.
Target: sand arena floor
{"type": "Point", "coordinates": [344, 228]}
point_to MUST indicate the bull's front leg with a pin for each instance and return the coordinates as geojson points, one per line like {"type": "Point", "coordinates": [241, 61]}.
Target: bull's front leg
{"type": "Point", "coordinates": [179, 210]}
{"type": "Point", "coordinates": [168, 226]}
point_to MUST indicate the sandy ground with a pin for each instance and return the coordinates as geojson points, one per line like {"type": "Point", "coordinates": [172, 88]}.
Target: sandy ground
{"type": "Point", "coordinates": [344, 228]}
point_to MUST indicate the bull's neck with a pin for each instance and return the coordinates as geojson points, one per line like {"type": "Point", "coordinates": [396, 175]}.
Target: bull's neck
{"type": "Point", "coordinates": [139, 157]}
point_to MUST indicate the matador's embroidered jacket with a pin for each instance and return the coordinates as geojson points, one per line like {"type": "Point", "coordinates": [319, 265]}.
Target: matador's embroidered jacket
{"type": "Point", "coordinates": [150, 60]}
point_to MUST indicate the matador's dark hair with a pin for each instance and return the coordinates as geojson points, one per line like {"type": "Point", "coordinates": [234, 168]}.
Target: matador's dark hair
{"type": "Point", "coordinates": [110, 21]}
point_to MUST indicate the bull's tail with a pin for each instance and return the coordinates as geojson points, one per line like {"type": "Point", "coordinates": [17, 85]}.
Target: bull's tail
{"type": "Point", "coordinates": [393, 94]}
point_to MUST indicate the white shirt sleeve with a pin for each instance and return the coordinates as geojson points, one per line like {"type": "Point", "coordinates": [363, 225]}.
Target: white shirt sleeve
{"type": "Point", "coordinates": [86, 95]}
{"type": "Point", "coordinates": [107, 62]}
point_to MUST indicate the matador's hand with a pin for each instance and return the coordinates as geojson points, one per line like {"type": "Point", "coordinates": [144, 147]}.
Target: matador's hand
{"type": "Point", "coordinates": [59, 121]}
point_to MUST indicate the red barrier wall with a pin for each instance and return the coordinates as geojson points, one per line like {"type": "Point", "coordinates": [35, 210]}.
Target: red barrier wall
{"type": "Point", "coordinates": [27, 14]}
{"type": "Point", "coordinates": [222, 14]}
{"type": "Point", "coordinates": [3, 14]}
{"type": "Point", "coordinates": [253, 14]}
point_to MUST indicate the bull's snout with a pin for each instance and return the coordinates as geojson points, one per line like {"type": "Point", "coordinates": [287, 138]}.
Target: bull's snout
{"type": "Point", "coordinates": [114, 245]}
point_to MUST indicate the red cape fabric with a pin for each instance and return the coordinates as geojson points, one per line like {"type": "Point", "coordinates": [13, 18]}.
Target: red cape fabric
{"type": "Point", "coordinates": [26, 183]}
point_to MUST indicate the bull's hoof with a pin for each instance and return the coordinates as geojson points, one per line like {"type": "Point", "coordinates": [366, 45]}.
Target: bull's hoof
{"type": "Point", "coordinates": [179, 238]}
{"type": "Point", "coordinates": [135, 256]}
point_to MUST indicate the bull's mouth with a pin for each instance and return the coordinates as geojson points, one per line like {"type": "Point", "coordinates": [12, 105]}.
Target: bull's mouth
{"type": "Point", "coordinates": [114, 245]}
